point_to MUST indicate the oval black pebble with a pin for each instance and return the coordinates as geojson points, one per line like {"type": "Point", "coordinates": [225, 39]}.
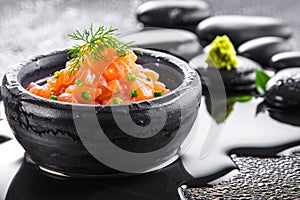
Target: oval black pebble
{"type": "Point", "coordinates": [283, 90]}
{"type": "Point", "coordinates": [241, 79]}
{"type": "Point", "coordinates": [291, 117]}
{"type": "Point", "coordinates": [173, 14]}
{"type": "Point", "coordinates": [179, 42]}
{"type": "Point", "coordinates": [285, 60]}
{"type": "Point", "coordinates": [241, 28]}
{"type": "Point", "coordinates": [262, 49]}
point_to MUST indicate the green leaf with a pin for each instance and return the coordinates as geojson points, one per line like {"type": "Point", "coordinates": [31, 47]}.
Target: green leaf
{"type": "Point", "coordinates": [243, 98]}
{"type": "Point", "coordinates": [239, 99]}
{"type": "Point", "coordinates": [261, 81]}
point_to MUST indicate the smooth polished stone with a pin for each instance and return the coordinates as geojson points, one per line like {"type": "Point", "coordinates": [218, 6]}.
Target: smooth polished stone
{"type": "Point", "coordinates": [240, 79]}
{"type": "Point", "coordinates": [179, 42]}
{"type": "Point", "coordinates": [285, 60]}
{"type": "Point", "coordinates": [262, 49]}
{"type": "Point", "coordinates": [174, 13]}
{"type": "Point", "coordinates": [241, 28]}
{"type": "Point", "coordinates": [283, 90]}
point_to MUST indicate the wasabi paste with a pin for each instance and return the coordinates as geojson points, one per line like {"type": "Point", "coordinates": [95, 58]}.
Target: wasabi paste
{"type": "Point", "coordinates": [222, 54]}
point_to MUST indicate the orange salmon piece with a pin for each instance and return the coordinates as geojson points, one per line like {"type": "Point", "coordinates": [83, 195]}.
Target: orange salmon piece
{"type": "Point", "coordinates": [42, 91]}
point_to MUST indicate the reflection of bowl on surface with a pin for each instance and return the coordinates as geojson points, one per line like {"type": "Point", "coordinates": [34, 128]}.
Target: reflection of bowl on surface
{"type": "Point", "coordinates": [47, 130]}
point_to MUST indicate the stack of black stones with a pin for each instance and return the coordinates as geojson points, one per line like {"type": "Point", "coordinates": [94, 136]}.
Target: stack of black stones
{"type": "Point", "coordinates": [261, 42]}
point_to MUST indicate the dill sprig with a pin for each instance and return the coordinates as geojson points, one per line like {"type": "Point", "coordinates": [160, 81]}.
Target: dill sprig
{"type": "Point", "coordinates": [93, 44]}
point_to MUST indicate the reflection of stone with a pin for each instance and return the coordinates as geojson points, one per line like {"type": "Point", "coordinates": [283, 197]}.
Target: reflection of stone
{"type": "Point", "coordinates": [3, 139]}
{"type": "Point", "coordinates": [179, 42]}
{"type": "Point", "coordinates": [285, 116]}
{"type": "Point", "coordinates": [173, 14]}
{"type": "Point", "coordinates": [241, 28]}
{"type": "Point", "coordinates": [218, 114]}
{"type": "Point", "coordinates": [262, 49]}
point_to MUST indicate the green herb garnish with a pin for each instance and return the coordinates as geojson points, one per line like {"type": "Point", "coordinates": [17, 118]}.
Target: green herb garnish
{"type": "Point", "coordinates": [94, 44]}
{"type": "Point", "coordinates": [137, 51]}
{"type": "Point", "coordinates": [56, 75]}
{"type": "Point", "coordinates": [149, 79]}
{"type": "Point", "coordinates": [131, 77]}
{"type": "Point", "coordinates": [117, 101]}
{"type": "Point", "coordinates": [53, 97]}
{"type": "Point", "coordinates": [78, 83]}
{"type": "Point", "coordinates": [261, 81]}
{"type": "Point", "coordinates": [157, 93]}
{"type": "Point", "coordinates": [134, 93]}
{"type": "Point", "coordinates": [85, 95]}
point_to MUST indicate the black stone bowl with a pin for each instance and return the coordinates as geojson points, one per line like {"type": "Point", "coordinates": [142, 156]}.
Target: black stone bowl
{"type": "Point", "coordinates": [48, 132]}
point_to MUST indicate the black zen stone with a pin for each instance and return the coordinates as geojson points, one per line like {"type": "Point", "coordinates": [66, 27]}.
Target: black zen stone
{"type": "Point", "coordinates": [283, 90]}
{"type": "Point", "coordinates": [179, 42]}
{"type": "Point", "coordinates": [285, 60]}
{"type": "Point", "coordinates": [240, 79]}
{"type": "Point", "coordinates": [173, 14]}
{"type": "Point", "coordinates": [241, 28]}
{"type": "Point", "coordinates": [262, 49]}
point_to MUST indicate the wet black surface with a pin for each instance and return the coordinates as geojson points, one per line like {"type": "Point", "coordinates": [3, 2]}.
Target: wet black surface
{"type": "Point", "coordinates": [30, 183]}
{"type": "Point", "coordinates": [271, 177]}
